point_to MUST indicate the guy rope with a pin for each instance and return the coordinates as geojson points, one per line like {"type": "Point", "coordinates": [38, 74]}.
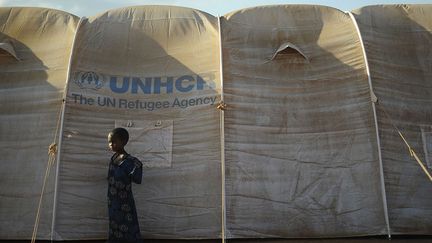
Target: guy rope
{"type": "Point", "coordinates": [52, 151]}
{"type": "Point", "coordinates": [410, 149]}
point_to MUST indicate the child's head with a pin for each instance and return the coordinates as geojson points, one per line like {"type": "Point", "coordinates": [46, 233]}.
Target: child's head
{"type": "Point", "coordinates": [117, 139]}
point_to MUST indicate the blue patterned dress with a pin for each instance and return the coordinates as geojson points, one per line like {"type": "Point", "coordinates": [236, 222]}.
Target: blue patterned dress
{"type": "Point", "coordinates": [123, 220]}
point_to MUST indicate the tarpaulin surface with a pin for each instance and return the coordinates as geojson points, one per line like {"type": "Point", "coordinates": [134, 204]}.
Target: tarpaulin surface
{"type": "Point", "coordinates": [155, 71]}
{"type": "Point", "coordinates": [398, 42]}
{"type": "Point", "coordinates": [301, 150]}
{"type": "Point", "coordinates": [297, 145]}
{"type": "Point", "coordinates": [31, 86]}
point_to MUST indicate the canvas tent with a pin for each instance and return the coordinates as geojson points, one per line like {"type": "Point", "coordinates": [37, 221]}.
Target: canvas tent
{"type": "Point", "coordinates": [307, 145]}
{"type": "Point", "coordinates": [397, 42]}
{"type": "Point", "coordinates": [31, 97]}
{"type": "Point", "coordinates": [311, 119]}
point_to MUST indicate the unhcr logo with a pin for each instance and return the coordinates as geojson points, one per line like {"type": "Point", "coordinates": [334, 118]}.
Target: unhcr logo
{"type": "Point", "coordinates": [89, 80]}
{"type": "Point", "coordinates": [159, 85]}
{"type": "Point", "coordinates": [145, 85]}
{"type": "Point", "coordinates": [127, 87]}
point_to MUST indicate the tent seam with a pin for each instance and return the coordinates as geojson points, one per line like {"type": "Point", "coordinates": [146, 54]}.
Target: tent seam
{"type": "Point", "coordinates": [222, 139]}
{"type": "Point", "coordinates": [63, 107]}
{"type": "Point", "coordinates": [373, 98]}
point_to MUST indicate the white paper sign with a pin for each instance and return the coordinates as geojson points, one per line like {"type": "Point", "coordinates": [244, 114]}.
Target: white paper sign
{"type": "Point", "coordinates": [149, 141]}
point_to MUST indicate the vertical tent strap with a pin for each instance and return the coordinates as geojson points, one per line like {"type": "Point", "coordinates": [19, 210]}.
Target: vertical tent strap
{"type": "Point", "coordinates": [374, 100]}
{"type": "Point", "coordinates": [60, 135]}
{"type": "Point", "coordinates": [221, 107]}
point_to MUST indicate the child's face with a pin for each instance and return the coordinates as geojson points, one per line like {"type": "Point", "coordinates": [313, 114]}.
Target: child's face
{"type": "Point", "coordinates": [114, 143]}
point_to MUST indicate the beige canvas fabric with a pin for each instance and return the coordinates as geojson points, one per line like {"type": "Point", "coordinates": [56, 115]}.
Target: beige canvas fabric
{"type": "Point", "coordinates": [155, 71]}
{"type": "Point", "coordinates": [301, 150]}
{"type": "Point", "coordinates": [35, 46]}
{"type": "Point", "coordinates": [398, 44]}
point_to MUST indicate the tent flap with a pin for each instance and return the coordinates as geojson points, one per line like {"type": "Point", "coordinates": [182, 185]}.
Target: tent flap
{"type": "Point", "coordinates": [8, 48]}
{"type": "Point", "coordinates": [287, 50]}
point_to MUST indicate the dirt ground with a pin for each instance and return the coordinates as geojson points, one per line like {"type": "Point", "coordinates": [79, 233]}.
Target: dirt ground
{"type": "Point", "coordinates": [378, 239]}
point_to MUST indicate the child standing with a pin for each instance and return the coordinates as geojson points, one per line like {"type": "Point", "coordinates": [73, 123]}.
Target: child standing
{"type": "Point", "coordinates": [123, 170]}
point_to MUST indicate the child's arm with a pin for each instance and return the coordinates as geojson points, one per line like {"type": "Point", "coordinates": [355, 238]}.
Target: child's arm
{"type": "Point", "coordinates": [136, 171]}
